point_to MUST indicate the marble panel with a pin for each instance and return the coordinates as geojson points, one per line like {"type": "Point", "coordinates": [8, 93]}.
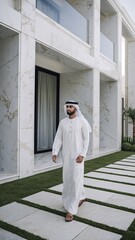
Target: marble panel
{"type": "Point", "coordinates": [108, 115]}
{"type": "Point", "coordinates": [26, 101]}
{"type": "Point", "coordinates": [130, 76]}
{"type": "Point", "coordinates": [9, 16]}
{"type": "Point", "coordinates": [28, 8]}
{"type": "Point", "coordinates": [27, 71]}
{"type": "Point", "coordinates": [75, 86]}
{"type": "Point", "coordinates": [8, 103]}
{"type": "Point", "coordinates": [28, 26]}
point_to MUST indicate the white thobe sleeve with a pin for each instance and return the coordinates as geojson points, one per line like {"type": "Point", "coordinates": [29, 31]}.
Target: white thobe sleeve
{"type": "Point", "coordinates": [86, 136]}
{"type": "Point", "coordinates": [57, 141]}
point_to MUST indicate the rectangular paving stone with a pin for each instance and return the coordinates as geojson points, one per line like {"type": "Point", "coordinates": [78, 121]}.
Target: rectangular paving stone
{"type": "Point", "coordinates": [92, 233]}
{"type": "Point", "coordinates": [44, 224]}
{"type": "Point", "coordinates": [116, 171]}
{"type": "Point", "coordinates": [121, 167]}
{"type": "Point", "coordinates": [58, 188]}
{"type": "Point", "coordinates": [5, 235]}
{"type": "Point", "coordinates": [106, 215]}
{"type": "Point", "coordinates": [110, 185]}
{"type": "Point", "coordinates": [107, 197]}
{"type": "Point", "coordinates": [50, 226]}
{"type": "Point", "coordinates": [125, 163]}
{"type": "Point", "coordinates": [47, 199]}
{"type": "Point", "coordinates": [128, 160]}
{"type": "Point", "coordinates": [131, 157]}
{"type": "Point", "coordinates": [15, 211]}
{"type": "Point", "coordinates": [111, 177]}
{"type": "Point", "coordinates": [98, 213]}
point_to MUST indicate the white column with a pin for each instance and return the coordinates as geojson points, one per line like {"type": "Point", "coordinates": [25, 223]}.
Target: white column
{"type": "Point", "coordinates": [131, 74]}
{"type": "Point", "coordinates": [26, 89]}
{"type": "Point", "coordinates": [96, 113]}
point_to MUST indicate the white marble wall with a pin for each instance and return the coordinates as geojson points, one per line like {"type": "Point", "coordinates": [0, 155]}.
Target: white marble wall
{"type": "Point", "coordinates": [108, 115]}
{"type": "Point", "coordinates": [77, 86]}
{"type": "Point", "coordinates": [91, 11]}
{"type": "Point", "coordinates": [97, 101]}
{"type": "Point", "coordinates": [26, 89]}
{"type": "Point", "coordinates": [9, 48]}
{"type": "Point", "coordinates": [131, 80]}
{"type": "Point", "coordinates": [109, 27]}
{"type": "Point", "coordinates": [131, 74]}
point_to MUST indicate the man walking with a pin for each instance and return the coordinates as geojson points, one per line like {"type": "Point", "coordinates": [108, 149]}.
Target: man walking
{"type": "Point", "coordinates": [73, 137]}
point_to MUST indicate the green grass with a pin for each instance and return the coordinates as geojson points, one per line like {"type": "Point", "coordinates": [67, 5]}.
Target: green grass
{"type": "Point", "coordinates": [16, 190]}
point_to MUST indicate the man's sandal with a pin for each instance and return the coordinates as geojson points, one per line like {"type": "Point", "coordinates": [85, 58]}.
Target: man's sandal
{"type": "Point", "coordinates": [69, 217]}
{"type": "Point", "coordinates": [81, 202]}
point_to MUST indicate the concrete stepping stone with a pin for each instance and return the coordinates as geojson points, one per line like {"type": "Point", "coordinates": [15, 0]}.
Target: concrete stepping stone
{"type": "Point", "coordinates": [128, 160]}
{"type": "Point", "coordinates": [111, 177]}
{"type": "Point", "coordinates": [106, 215]}
{"type": "Point", "coordinates": [107, 197]}
{"type": "Point", "coordinates": [121, 167]}
{"type": "Point", "coordinates": [15, 211]}
{"type": "Point", "coordinates": [125, 163]}
{"type": "Point", "coordinates": [95, 212]}
{"type": "Point", "coordinates": [92, 233]}
{"type": "Point", "coordinates": [5, 235]}
{"type": "Point", "coordinates": [131, 157]}
{"type": "Point", "coordinates": [116, 171]}
{"type": "Point", "coordinates": [44, 224]}
{"type": "Point", "coordinates": [110, 185]}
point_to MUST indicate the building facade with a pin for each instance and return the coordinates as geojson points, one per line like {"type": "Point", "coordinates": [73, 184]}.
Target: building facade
{"type": "Point", "coordinates": [51, 51]}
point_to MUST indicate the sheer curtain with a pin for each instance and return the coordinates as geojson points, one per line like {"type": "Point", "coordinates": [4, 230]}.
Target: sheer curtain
{"type": "Point", "coordinates": [46, 119]}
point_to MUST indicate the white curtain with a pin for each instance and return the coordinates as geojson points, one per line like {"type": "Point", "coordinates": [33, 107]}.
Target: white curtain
{"type": "Point", "coordinates": [46, 118]}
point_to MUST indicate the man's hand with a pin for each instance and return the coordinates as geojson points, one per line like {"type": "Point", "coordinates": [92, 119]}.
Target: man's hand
{"type": "Point", "coordinates": [54, 158]}
{"type": "Point", "coordinates": [79, 159]}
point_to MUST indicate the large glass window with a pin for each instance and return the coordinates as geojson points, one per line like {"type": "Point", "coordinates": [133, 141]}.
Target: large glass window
{"type": "Point", "coordinates": [67, 16]}
{"type": "Point", "coordinates": [49, 8]}
{"type": "Point", "coordinates": [46, 109]}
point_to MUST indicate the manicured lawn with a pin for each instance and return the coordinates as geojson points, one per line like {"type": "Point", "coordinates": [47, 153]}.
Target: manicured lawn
{"type": "Point", "coordinates": [16, 190]}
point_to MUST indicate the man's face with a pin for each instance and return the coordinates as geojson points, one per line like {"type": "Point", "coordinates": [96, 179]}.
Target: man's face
{"type": "Point", "coordinates": [70, 110]}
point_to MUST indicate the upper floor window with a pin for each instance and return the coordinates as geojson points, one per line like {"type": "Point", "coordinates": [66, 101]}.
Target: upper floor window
{"type": "Point", "coordinates": [67, 16]}
{"type": "Point", "coordinates": [49, 8]}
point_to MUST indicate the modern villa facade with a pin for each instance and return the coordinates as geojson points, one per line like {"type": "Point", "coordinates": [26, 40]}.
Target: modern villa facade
{"type": "Point", "coordinates": [51, 51]}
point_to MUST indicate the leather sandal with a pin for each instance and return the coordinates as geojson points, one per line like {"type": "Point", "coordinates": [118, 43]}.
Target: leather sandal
{"type": "Point", "coordinates": [81, 202]}
{"type": "Point", "coordinates": [69, 217]}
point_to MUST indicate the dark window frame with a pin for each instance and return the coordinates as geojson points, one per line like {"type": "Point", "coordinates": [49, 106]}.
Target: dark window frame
{"type": "Point", "coordinates": [37, 69]}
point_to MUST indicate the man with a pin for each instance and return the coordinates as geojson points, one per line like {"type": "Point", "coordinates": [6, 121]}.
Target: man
{"type": "Point", "coordinates": [73, 137]}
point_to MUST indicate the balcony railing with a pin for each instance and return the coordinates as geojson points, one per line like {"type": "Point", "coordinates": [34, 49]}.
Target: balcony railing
{"type": "Point", "coordinates": [107, 47]}
{"type": "Point", "coordinates": [67, 16]}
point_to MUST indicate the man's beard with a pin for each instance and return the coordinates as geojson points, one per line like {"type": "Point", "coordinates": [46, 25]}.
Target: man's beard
{"type": "Point", "coordinates": [71, 113]}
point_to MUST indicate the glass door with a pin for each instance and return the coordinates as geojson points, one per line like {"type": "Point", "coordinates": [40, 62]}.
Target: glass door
{"type": "Point", "coordinates": [46, 109]}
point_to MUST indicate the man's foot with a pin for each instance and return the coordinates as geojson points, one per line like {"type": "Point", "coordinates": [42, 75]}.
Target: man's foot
{"type": "Point", "coordinates": [69, 217]}
{"type": "Point", "coordinates": [81, 202]}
